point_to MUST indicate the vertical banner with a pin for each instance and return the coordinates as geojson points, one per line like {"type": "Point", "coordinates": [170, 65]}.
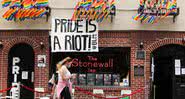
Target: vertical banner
{"type": "Point", "coordinates": [74, 36]}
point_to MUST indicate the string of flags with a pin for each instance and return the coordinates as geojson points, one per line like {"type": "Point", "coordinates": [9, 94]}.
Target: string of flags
{"type": "Point", "coordinates": [160, 8]}
{"type": "Point", "coordinates": [94, 9]}
{"type": "Point", "coordinates": [24, 9]}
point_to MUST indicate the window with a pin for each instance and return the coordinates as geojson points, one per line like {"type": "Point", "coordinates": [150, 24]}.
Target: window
{"type": "Point", "coordinates": [108, 67]}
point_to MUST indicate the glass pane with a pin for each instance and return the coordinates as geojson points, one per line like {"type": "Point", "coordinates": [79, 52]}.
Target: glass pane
{"type": "Point", "coordinates": [82, 79]}
{"type": "Point", "coordinates": [116, 79]}
{"type": "Point", "coordinates": [99, 79]}
{"type": "Point", "coordinates": [91, 79]}
{"type": "Point", "coordinates": [107, 79]}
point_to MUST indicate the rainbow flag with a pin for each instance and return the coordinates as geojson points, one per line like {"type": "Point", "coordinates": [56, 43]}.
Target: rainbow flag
{"type": "Point", "coordinates": [144, 18]}
{"type": "Point", "coordinates": [5, 3]}
{"type": "Point", "coordinates": [141, 2]}
{"type": "Point", "coordinates": [112, 4]}
{"type": "Point", "coordinates": [151, 20]}
{"type": "Point", "coordinates": [86, 5]}
{"type": "Point", "coordinates": [43, 13]}
{"type": "Point", "coordinates": [27, 4]}
{"type": "Point", "coordinates": [17, 16]}
{"type": "Point", "coordinates": [41, 3]}
{"type": "Point", "coordinates": [99, 6]}
{"type": "Point", "coordinates": [6, 14]}
{"type": "Point", "coordinates": [10, 14]}
{"type": "Point", "coordinates": [137, 17]}
{"type": "Point", "coordinates": [16, 3]}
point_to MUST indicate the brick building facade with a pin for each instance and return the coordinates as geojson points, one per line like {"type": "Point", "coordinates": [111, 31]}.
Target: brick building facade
{"type": "Point", "coordinates": [151, 41]}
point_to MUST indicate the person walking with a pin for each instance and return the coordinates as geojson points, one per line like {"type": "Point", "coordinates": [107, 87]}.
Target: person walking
{"type": "Point", "coordinates": [52, 84]}
{"type": "Point", "coordinates": [64, 86]}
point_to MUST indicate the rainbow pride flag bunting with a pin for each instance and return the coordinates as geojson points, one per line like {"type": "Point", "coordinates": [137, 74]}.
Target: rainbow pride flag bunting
{"type": "Point", "coordinates": [94, 9]}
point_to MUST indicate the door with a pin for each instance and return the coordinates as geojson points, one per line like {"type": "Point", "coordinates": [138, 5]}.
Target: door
{"type": "Point", "coordinates": [163, 78]}
{"type": "Point", "coordinates": [21, 68]}
{"type": "Point", "coordinates": [179, 86]}
{"type": "Point", "coordinates": [169, 72]}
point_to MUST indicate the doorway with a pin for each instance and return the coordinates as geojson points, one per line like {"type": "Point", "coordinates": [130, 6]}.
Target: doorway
{"type": "Point", "coordinates": [21, 64]}
{"type": "Point", "coordinates": [168, 80]}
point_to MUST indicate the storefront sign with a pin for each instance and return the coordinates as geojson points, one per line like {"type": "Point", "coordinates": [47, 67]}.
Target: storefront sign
{"type": "Point", "coordinates": [41, 60]}
{"type": "Point", "coordinates": [138, 70]}
{"type": "Point", "coordinates": [74, 36]}
{"type": "Point", "coordinates": [92, 62]}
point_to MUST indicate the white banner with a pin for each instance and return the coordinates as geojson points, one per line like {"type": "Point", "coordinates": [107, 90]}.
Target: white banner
{"type": "Point", "coordinates": [74, 36]}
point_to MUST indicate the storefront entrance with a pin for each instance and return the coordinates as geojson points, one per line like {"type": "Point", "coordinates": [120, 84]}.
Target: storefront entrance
{"type": "Point", "coordinates": [169, 72]}
{"type": "Point", "coordinates": [21, 68]}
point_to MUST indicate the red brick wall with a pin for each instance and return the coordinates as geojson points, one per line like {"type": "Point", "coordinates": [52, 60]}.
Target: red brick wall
{"type": "Point", "coordinates": [152, 40]}
{"type": "Point", "coordinates": [33, 38]}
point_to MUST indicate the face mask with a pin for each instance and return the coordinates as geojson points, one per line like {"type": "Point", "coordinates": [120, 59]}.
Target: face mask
{"type": "Point", "coordinates": [68, 66]}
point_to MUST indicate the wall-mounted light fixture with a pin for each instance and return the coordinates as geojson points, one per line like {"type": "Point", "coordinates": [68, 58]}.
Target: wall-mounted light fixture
{"type": "Point", "coordinates": [1, 44]}
{"type": "Point", "coordinates": [41, 45]}
{"type": "Point", "coordinates": [141, 45]}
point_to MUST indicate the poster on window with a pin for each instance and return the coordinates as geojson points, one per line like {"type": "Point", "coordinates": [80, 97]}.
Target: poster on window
{"type": "Point", "coordinates": [82, 79]}
{"type": "Point", "coordinates": [74, 36]}
{"type": "Point", "coordinates": [116, 79]}
{"type": "Point", "coordinates": [41, 59]}
{"type": "Point", "coordinates": [107, 79]}
{"type": "Point", "coordinates": [90, 79]}
{"type": "Point", "coordinates": [99, 79]}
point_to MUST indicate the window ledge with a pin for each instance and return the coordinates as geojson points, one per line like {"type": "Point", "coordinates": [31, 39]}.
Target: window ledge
{"type": "Point", "coordinates": [104, 87]}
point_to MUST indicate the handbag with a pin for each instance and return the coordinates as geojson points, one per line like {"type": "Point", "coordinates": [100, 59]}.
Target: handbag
{"type": "Point", "coordinates": [67, 93]}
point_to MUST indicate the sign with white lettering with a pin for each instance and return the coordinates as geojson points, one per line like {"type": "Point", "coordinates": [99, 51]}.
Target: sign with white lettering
{"type": "Point", "coordinates": [126, 92]}
{"type": "Point", "coordinates": [74, 36]}
{"type": "Point", "coordinates": [97, 91]}
{"type": "Point", "coordinates": [15, 91]}
{"type": "Point", "coordinates": [15, 68]}
{"type": "Point", "coordinates": [39, 89]}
